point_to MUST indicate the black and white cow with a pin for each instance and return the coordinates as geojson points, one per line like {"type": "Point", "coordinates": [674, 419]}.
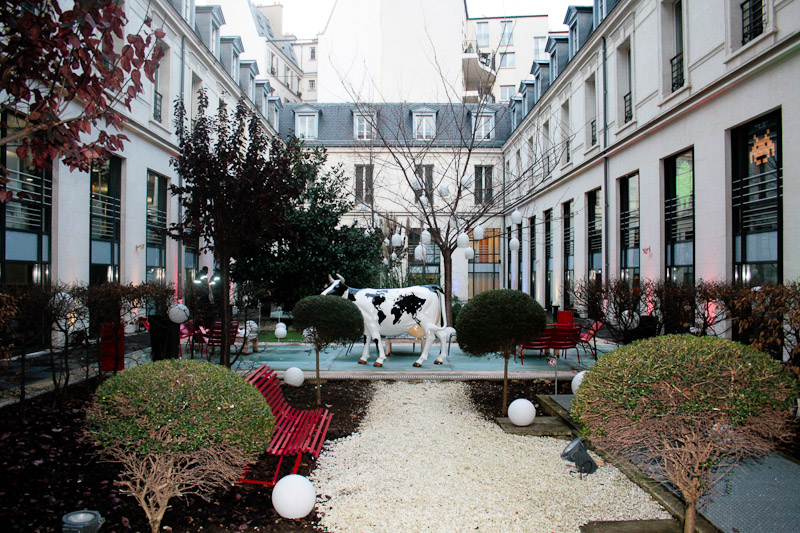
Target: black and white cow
{"type": "Point", "coordinates": [397, 311]}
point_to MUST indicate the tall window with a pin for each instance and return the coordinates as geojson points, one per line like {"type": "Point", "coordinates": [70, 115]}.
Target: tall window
{"type": "Point", "coordinates": [548, 257]}
{"type": "Point", "coordinates": [364, 190]}
{"type": "Point", "coordinates": [105, 220]}
{"type": "Point", "coordinates": [312, 53]}
{"type": "Point", "coordinates": [676, 63]}
{"type": "Point", "coordinates": [312, 85]}
{"type": "Point", "coordinates": [482, 31]}
{"type": "Point", "coordinates": [424, 185]}
{"type": "Point", "coordinates": [629, 228]}
{"type": "Point", "coordinates": [483, 184]}
{"type": "Point", "coordinates": [533, 256]}
{"type": "Point", "coordinates": [539, 53]}
{"type": "Point", "coordinates": [362, 127]}
{"type": "Point", "coordinates": [507, 60]}
{"type": "Point", "coordinates": [26, 219]}
{"type": "Point", "coordinates": [428, 271]}
{"type": "Point", "coordinates": [594, 232]}
{"type": "Point", "coordinates": [485, 267]}
{"type": "Point", "coordinates": [752, 19]}
{"type": "Point", "coordinates": [424, 126]}
{"type": "Point", "coordinates": [679, 217]}
{"type": "Point", "coordinates": [624, 83]}
{"type": "Point", "coordinates": [569, 253]}
{"type": "Point", "coordinates": [156, 227]}
{"type": "Point", "coordinates": [757, 201]}
{"type": "Point", "coordinates": [506, 92]}
{"type": "Point", "coordinates": [508, 259]}
{"type": "Point", "coordinates": [519, 258]}
{"type": "Point", "coordinates": [590, 106]}
{"type": "Point", "coordinates": [484, 126]}
{"type": "Point", "coordinates": [506, 33]}
{"type": "Point", "coordinates": [306, 125]}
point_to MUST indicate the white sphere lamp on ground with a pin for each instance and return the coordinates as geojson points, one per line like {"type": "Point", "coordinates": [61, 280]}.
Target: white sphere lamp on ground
{"type": "Point", "coordinates": [478, 232]}
{"type": "Point", "coordinates": [521, 412]}
{"type": "Point", "coordinates": [514, 244]}
{"type": "Point", "coordinates": [577, 380]}
{"type": "Point", "coordinates": [178, 313]}
{"type": "Point", "coordinates": [280, 331]}
{"type": "Point", "coordinates": [516, 217]}
{"type": "Point", "coordinates": [293, 496]}
{"type": "Point", "coordinates": [294, 377]}
{"type": "Point", "coordinates": [462, 240]}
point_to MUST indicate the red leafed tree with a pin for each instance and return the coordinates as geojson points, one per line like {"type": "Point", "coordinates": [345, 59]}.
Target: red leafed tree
{"type": "Point", "coordinates": [52, 58]}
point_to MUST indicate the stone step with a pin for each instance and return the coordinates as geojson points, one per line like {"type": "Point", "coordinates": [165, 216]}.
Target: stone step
{"type": "Point", "coordinates": [542, 426]}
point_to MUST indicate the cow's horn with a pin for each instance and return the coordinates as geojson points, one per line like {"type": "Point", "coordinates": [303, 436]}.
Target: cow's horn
{"type": "Point", "coordinates": [330, 278]}
{"type": "Point", "coordinates": [340, 277]}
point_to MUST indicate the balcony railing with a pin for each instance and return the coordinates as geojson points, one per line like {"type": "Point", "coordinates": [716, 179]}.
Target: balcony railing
{"type": "Point", "coordinates": [157, 106]}
{"type": "Point", "coordinates": [628, 107]}
{"type": "Point", "coordinates": [594, 132]}
{"type": "Point", "coordinates": [752, 19]}
{"type": "Point", "coordinates": [676, 66]}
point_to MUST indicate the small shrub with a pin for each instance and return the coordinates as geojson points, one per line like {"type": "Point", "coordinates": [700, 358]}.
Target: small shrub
{"type": "Point", "coordinates": [690, 407]}
{"type": "Point", "coordinates": [497, 322]}
{"type": "Point", "coordinates": [178, 428]}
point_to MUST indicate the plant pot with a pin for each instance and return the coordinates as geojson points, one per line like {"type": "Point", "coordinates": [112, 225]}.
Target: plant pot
{"type": "Point", "coordinates": [164, 337]}
{"type": "Point", "coordinates": [112, 347]}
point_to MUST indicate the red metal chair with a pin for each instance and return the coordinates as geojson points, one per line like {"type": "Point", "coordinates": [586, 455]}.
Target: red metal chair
{"type": "Point", "coordinates": [214, 338]}
{"type": "Point", "coordinates": [565, 318]}
{"type": "Point", "coordinates": [588, 339]}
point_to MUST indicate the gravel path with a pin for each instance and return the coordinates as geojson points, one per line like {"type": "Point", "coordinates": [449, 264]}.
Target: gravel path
{"type": "Point", "coordinates": [424, 460]}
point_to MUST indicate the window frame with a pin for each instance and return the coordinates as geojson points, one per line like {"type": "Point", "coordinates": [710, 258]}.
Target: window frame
{"type": "Point", "coordinates": [506, 58]}
{"type": "Point", "coordinates": [483, 126]}
{"type": "Point", "coordinates": [506, 33]}
{"type": "Point", "coordinates": [367, 120]}
{"type": "Point", "coordinates": [421, 130]}
{"type": "Point", "coordinates": [302, 121]}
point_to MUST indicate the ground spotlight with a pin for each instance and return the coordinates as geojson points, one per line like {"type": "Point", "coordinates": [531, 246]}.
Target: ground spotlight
{"type": "Point", "coordinates": [576, 452]}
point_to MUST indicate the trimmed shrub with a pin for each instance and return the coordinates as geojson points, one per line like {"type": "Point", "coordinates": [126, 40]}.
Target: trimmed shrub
{"type": "Point", "coordinates": [689, 408]}
{"type": "Point", "coordinates": [497, 322]}
{"type": "Point", "coordinates": [178, 428]}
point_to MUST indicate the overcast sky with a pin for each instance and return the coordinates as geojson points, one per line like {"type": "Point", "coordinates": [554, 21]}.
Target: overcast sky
{"type": "Point", "coordinates": [306, 18]}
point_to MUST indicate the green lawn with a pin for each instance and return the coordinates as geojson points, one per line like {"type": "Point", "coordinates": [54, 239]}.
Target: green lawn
{"type": "Point", "coordinates": [269, 336]}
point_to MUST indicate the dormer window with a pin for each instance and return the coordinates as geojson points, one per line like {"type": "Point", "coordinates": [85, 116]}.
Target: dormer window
{"type": "Point", "coordinates": [484, 126]}
{"type": "Point", "coordinates": [362, 126]}
{"type": "Point", "coordinates": [424, 124]}
{"type": "Point", "coordinates": [306, 122]}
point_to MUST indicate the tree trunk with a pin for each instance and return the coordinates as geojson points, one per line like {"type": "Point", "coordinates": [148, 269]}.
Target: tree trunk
{"type": "Point", "coordinates": [448, 286]}
{"type": "Point", "coordinates": [319, 383]}
{"type": "Point", "coordinates": [505, 385]}
{"type": "Point", "coordinates": [690, 518]}
{"type": "Point", "coordinates": [225, 351]}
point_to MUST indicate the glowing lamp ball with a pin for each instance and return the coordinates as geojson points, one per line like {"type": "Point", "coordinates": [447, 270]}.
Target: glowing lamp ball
{"type": "Point", "coordinates": [521, 412]}
{"type": "Point", "coordinates": [577, 380]}
{"type": "Point", "coordinates": [293, 496]}
{"type": "Point", "coordinates": [294, 377]}
{"type": "Point", "coordinates": [280, 331]}
{"type": "Point", "coordinates": [178, 313]}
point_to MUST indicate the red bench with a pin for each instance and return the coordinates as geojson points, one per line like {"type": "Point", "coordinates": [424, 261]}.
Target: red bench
{"type": "Point", "coordinates": [296, 432]}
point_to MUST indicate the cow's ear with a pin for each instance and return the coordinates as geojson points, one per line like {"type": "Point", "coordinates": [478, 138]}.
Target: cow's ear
{"type": "Point", "coordinates": [330, 278]}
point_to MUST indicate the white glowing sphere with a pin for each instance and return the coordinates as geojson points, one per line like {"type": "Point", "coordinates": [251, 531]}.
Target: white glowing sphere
{"type": "Point", "coordinates": [514, 244]}
{"type": "Point", "coordinates": [397, 240]}
{"type": "Point", "coordinates": [419, 253]}
{"type": "Point", "coordinates": [469, 253]}
{"type": "Point", "coordinates": [516, 217]}
{"type": "Point", "coordinates": [521, 412]}
{"type": "Point", "coordinates": [463, 240]}
{"type": "Point", "coordinates": [425, 237]}
{"type": "Point", "coordinates": [293, 496]}
{"type": "Point", "coordinates": [577, 380]}
{"type": "Point", "coordinates": [478, 232]}
{"type": "Point", "coordinates": [178, 313]}
{"type": "Point", "coordinates": [466, 182]}
{"type": "Point", "coordinates": [280, 332]}
{"type": "Point", "coordinates": [294, 377]}
{"type": "Point", "coordinates": [280, 325]}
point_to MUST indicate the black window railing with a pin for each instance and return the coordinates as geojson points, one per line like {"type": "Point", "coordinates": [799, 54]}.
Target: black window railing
{"type": "Point", "coordinates": [567, 150]}
{"type": "Point", "coordinates": [157, 106]}
{"type": "Point", "coordinates": [752, 19]}
{"type": "Point", "coordinates": [628, 104]}
{"type": "Point", "coordinates": [676, 66]}
{"type": "Point", "coordinates": [594, 132]}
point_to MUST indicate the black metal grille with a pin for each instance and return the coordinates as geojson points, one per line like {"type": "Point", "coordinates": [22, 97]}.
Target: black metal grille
{"type": "Point", "coordinates": [157, 106]}
{"type": "Point", "coordinates": [752, 19]}
{"type": "Point", "coordinates": [105, 217]}
{"type": "Point", "coordinates": [629, 222]}
{"type": "Point", "coordinates": [156, 227]}
{"type": "Point", "coordinates": [676, 64]}
{"type": "Point", "coordinates": [628, 107]}
{"type": "Point", "coordinates": [594, 132]}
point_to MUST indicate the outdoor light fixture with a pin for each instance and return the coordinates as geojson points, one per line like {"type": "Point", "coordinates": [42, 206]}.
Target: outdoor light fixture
{"type": "Point", "coordinates": [419, 253]}
{"type": "Point", "coordinates": [477, 233]}
{"type": "Point", "coordinates": [462, 240]}
{"type": "Point", "coordinates": [576, 452]}
{"type": "Point", "coordinates": [425, 237]}
{"type": "Point", "coordinates": [397, 240]}
{"type": "Point", "coordinates": [82, 521]}
{"type": "Point", "coordinates": [469, 253]}
{"type": "Point", "coordinates": [516, 217]}
{"type": "Point", "coordinates": [513, 244]}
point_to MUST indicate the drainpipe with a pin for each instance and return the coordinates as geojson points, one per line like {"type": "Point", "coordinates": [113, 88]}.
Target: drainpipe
{"type": "Point", "coordinates": [605, 164]}
{"type": "Point", "coordinates": [180, 178]}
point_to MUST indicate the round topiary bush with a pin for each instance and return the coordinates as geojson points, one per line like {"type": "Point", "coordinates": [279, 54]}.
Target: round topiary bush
{"type": "Point", "coordinates": [689, 408]}
{"type": "Point", "coordinates": [178, 428]}
{"type": "Point", "coordinates": [497, 322]}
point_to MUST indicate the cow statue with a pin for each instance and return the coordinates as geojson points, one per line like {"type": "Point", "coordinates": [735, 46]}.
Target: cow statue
{"type": "Point", "coordinates": [398, 311]}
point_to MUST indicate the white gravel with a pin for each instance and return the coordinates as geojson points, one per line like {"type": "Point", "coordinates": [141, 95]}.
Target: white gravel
{"type": "Point", "coordinates": [423, 459]}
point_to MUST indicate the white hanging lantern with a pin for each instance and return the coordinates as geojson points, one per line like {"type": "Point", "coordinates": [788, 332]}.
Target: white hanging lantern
{"type": "Point", "coordinates": [386, 242]}
{"type": "Point", "coordinates": [423, 200]}
{"type": "Point", "coordinates": [375, 219]}
{"type": "Point", "coordinates": [397, 240]}
{"type": "Point", "coordinates": [394, 256]}
{"type": "Point", "coordinates": [444, 190]}
{"type": "Point", "coordinates": [419, 253]}
{"type": "Point", "coordinates": [466, 182]}
{"type": "Point", "coordinates": [416, 184]}
{"type": "Point", "coordinates": [516, 217]}
{"type": "Point", "coordinates": [463, 240]}
{"type": "Point", "coordinates": [386, 261]}
{"type": "Point", "coordinates": [514, 244]}
{"type": "Point", "coordinates": [478, 233]}
{"type": "Point", "coordinates": [469, 253]}
{"type": "Point", "coordinates": [425, 237]}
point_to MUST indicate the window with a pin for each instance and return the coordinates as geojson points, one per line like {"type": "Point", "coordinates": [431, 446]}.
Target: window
{"type": "Point", "coordinates": [364, 185]}
{"type": "Point", "coordinates": [594, 232]}
{"type": "Point", "coordinates": [312, 85]}
{"type": "Point", "coordinates": [590, 106]}
{"type": "Point", "coordinates": [312, 53]}
{"type": "Point", "coordinates": [757, 197]}
{"type": "Point", "coordinates": [548, 258]}
{"type": "Point", "coordinates": [484, 269]}
{"type": "Point", "coordinates": [214, 40]}
{"type": "Point", "coordinates": [546, 160]}
{"type": "Point", "coordinates": [157, 96]}
{"type": "Point", "coordinates": [424, 125]}
{"type": "Point", "coordinates": [573, 40]}
{"type": "Point", "coordinates": [104, 220]}
{"type": "Point", "coordinates": [427, 271]}
{"type": "Point", "coordinates": [679, 217]}
{"type": "Point", "coordinates": [362, 126]}
{"type": "Point", "coordinates": [519, 258]}
{"type": "Point", "coordinates": [507, 60]}
{"type": "Point", "coordinates": [533, 256]}
{"type": "Point", "coordinates": [506, 92]}
{"type": "Point", "coordinates": [629, 228]}
{"type": "Point", "coordinates": [483, 184]}
{"type": "Point", "coordinates": [624, 85]}
{"type": "Point", "coordinates": [156, 227]}
{"type": "Point", "coordinates": [569, 253]}
{"type": "Point", "coordinates": [539, 44]}
{"type": "Point", "coordinates": [506, 33]}
{"type": "Point", "coordinates": [566, 132]}
{"type": "Point", "coordinates": [484, 127]}
{"type": "Point", "coordinates": [483, 34]}
{"type": "Point", "coordinates": [306, 125]}
{"type": "Point", "coordinates": [752, 19]}
{"type": "Point", "coordinates": [424, 183]}
{"type": "Point", "coordinates": [509, 279]}
{"type": "Point", "coordinates": [518, 164]}
{"type": "Point", "coordinates": [676, 63]}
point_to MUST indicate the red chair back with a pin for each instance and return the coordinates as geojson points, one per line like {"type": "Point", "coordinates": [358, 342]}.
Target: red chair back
{"type": "Point", "coordinates": [565, 318]}
{"type": "Point", "coordinates": [215, 335]}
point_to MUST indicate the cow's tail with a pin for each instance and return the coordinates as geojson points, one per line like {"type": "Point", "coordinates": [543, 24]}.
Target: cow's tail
{"type": "Point", "coordinates": [442, 308]}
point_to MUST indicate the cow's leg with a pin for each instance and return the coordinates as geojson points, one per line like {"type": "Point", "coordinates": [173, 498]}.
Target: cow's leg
{"type": "Point", "coordinates": [381, 352]}
{"type": "Point", "coordinates": [426, 345]}
{"type": "Point", "coordinates": [444, 337]}
{"type": "Point", "coordinates": [365, 351]}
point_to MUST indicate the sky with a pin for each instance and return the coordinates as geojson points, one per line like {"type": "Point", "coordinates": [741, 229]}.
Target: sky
{"type": "Point", "coordinates": [306, 18]}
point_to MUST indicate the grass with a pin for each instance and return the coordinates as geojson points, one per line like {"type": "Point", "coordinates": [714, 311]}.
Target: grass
{"type": "Point", "coordinates": [269, 336]}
